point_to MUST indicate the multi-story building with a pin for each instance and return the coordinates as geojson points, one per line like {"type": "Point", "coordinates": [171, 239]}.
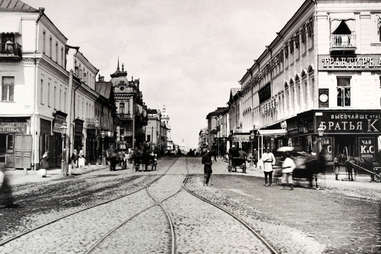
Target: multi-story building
{"type": "Point", "coordinates": [131, 109]}
{"type": "Point", "coordinates": [82, 131]}
{"type": "Point", "coordinates": [106, 117]}
{"type": "Point", "coordinates": [153, 130]}
{"type": "Point", "coordinates": [218, 130]}
{"type": "Point", "coordinates": [34, 86]}
{"type": "Point", "coordinates": [166, 132]}
{"type": "Point", "coordinates": [320, 79]}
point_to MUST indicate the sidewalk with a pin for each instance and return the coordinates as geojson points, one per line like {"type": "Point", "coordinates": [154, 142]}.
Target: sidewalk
{"type": "Point", "coordinates": [18, 177]}
{"type": "Point", "coordinates": [361, 183]}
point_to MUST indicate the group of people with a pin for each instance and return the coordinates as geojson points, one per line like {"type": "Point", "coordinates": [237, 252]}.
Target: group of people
{"type": "Point", "coordinates": [267, 162]}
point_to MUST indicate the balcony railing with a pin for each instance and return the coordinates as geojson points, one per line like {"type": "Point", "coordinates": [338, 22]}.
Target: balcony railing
{"type": "Point", "coordinates": [10, 51]}
{"type": "Point", "coordinates": [345, 42]}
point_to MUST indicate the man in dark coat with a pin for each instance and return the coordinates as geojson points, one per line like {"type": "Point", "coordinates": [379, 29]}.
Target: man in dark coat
{"type": "Point", "coordinates": [207, 161]}
{"type": "Point", "coordinates": [6, 198]}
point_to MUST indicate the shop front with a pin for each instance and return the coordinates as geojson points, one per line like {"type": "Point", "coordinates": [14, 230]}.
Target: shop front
{"type": "Point", "coordinates": [352, 133]}
{"type": "Point", "coordinates": [14, 148]}
{"type": "Point", "coordinates": [46, 140]}
{"type": "Point", "coordinates": [78, 135]}
{"type": "Point", "coordinates": [59, 134]}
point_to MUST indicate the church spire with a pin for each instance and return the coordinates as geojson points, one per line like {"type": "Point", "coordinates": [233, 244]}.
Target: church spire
{"type": "Point", "coordinates": [117, 68]}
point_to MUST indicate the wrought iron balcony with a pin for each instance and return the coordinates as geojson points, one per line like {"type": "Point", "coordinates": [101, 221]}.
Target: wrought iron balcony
{"type": "Point", "coordinates": [10, 51]}
{"type": "Point", "coordinates": [343, 42]}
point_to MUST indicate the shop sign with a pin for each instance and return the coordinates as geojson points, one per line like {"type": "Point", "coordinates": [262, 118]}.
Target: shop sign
{"type": "Point", "coordinates": [78, 127]}
{"type": "Point", "coordinates": [350, 122]}
{"type": "Point", "coordinates": [13, 127]}
{"type": "Point", "coordinates": [59, 124]}
{"type": "Point", "coordinates": [349, 63]}
{"type": "Point", "coordinates": [323, 97]}
{"type": "Point", "coordinates": [328, 143]}
{"type": "Point", "coordinates": [367, 147]}
{"type": "Point", "coordinates": [241, 138]}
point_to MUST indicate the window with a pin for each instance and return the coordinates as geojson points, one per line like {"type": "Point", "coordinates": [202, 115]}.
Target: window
{"type": "Point", "coordinates": [48, 94]}
{"type": "Point", "coordinates": [343, 91]}
{"type": "Point", "coordinates": [7, 88]}
{"type": "Point", "coordinates": [62, 57]}
{"type": "Point", "coordinates": [121, 108]}
{"type": "Point", "coordinates": [10, 143]}
{"type": "Point", "coordinates": [44, 42]}
{"type": "Point", "coordinates": [56, 52]}
{"type": "Point", "coordinates": [64, 107]}
{"type": "Point", "coordinates": [55, 98]}
{"type": "Point", "coordinates": [60, 100]}
{"type": "Point", "coordinates": [42, 92]}
{"type": "Point", "coordinates": [50, 47]}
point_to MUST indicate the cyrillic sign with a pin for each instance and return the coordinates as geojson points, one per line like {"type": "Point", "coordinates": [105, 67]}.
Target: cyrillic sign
{"type": "Point", "coordinates": [350, 122]}
{"type": "Point", "coordinates": [367, 147]}
{"type": "Point", "coordinates": [349, 63]}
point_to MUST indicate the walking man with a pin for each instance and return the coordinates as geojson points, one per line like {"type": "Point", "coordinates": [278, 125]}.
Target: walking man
{"type": "Point", "coordinates": [207, 161]}
{"type": "Point", "coordinates": [268, 160]}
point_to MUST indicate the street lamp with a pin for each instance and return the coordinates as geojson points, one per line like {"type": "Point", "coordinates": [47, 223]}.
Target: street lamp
{"type": "Point", "coordinates": [320, 131]}
{"type": "Point", "coordinates": [64, 152]}
{"type": "Point", "coordinates": [103, 134]}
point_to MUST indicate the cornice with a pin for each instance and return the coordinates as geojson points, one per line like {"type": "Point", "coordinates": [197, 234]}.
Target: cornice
{"type": "Point", "coordinates": [53, 67]}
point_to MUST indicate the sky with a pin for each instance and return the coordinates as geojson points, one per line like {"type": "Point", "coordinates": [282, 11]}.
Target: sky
{"type": "Point", "coordinates": [186, 53]}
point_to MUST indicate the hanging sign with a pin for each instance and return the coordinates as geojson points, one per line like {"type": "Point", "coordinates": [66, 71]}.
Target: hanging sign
{"type": "Point", "coordinates": [367, 147]}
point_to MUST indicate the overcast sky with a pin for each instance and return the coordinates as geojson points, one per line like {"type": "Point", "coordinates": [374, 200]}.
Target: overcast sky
{"type": "Point", "coordinates": [187, 53]}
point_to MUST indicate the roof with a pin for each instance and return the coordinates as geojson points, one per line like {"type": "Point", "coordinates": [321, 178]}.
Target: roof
{"type": "Point", "coordinates": [218, 111]}
{"type": "Point", "coordinates": [103, 88]}
{"type": "Point", "coordinates": [234, 91]}
{"type": "Point", "coordinates": [16, 5]}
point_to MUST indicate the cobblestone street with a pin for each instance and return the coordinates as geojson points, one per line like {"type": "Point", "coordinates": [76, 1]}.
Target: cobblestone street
{"type": "Point", "coordinates": [330, 222]}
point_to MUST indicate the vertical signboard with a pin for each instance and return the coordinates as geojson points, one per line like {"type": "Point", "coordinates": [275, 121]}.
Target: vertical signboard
{"type": "Point", "coordinates": [367, 147]}
{"type": "Point", "coordinates": [323, 97]}
{"type": "Point", "coordinates": [328, 142]}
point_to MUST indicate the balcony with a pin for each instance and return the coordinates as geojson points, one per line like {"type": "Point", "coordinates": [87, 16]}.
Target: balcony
{"type": "Point", "coordinates": [343, 42]}
{"type": "Point", "coordinates": [10, 51]}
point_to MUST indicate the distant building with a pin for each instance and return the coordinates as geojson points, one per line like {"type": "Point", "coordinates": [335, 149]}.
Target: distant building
{"type": "Point", "coordinates": [131, 110]}
{"type": "Point", "coordinates": [153, 130]}
{"type": "Point", "coordinates": [218, 130]}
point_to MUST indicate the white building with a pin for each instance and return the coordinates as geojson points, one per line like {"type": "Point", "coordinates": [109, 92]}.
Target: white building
{"type": "Point", "coordinates": [34, 86]}
{"type": "Point", "coordinates": [320, 74]}
{"type": "Point", "coordinates": [83, 127]}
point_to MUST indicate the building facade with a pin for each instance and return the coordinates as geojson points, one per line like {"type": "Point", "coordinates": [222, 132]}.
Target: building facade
{"type": "Point", "coordinates": [131, 110]}
{"type": "Point", "coordinates": [153, 130]}
{"type": "Point", "coordinates": [320, 80]}
{"type": "Point", "coordinates": [34, 87]}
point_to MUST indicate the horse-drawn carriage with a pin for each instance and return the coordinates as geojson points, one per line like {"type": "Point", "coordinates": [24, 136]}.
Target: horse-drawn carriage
{"type": "Point", "coordinates": [142, 161]}
{"type": "Point", "coordinates": [307, 167]}
{"type": "Point", "coordinates": [237, 160]}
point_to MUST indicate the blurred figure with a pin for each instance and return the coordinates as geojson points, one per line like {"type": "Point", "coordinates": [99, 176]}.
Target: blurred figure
{"type": "Point", "coordinates": [288, 167]}
{"type": "Point", "coordinates": [74, 159]}
{"type": "Point", "coordinates": [44, 165]}
{"type": "Point", "coordinates": [81, 159]}
{"type": "Point", "coordinates": [207, 161]}
{"type": "Point", "coordinates": [268, 160]}
{"type": "Point", "coordinates": [255, 157]}
{"type": "Point", "coordinates": [6, 198]}
{"type": "Point", "coordinates": [336, 166]}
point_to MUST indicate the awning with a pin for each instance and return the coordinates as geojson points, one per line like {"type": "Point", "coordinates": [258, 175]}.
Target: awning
{"type": "Point", "coordinates": [10, 24]}
{"type": "Point", "coordinates": [273, 132]}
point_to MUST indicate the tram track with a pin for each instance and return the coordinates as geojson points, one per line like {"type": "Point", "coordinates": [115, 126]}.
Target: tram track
{"type": "Point", "coordinates": [136, 215]}
{"type": "Point", "coordinates": [241, 221]}
{"type": "Point", "coordinates": [27, 232]}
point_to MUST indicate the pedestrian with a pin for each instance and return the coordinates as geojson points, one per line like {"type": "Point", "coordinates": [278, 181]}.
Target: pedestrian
{"type": "Point", "coordinates": [255, 157]}
{"type": "Point", "coordinates": [81, 159]}
{"type": "Point", "coordinates": [6, 197]}
{"type": "Point", "coordinates": [207, 161]}
{"type": "Point", "coordinates": [112, 158]}
{"type": "Point", "coordinates": [74, 158]}
{"type": "Point", "coordinates": [349, 167]}
{"type": "Point", "coordinates": [44, 165]}
{"type": "Point", "coordinates": [336, 166]}
{"type": "Point", "coordinates": [268, 160]}
{"type": "Point", "coordinates": [288, 167]}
